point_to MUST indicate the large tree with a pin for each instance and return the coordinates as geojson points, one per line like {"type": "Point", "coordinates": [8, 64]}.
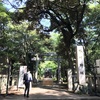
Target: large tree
{"type": "Point", "coordinates": [65, 16]}
{"type": "Point", "coordinates": [89, 35]}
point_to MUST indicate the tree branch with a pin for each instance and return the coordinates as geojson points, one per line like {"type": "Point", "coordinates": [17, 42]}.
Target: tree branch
{"type": "Point", "coordinates": [79, 20]}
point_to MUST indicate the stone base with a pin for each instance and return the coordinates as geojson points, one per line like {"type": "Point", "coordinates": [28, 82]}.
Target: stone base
{"type": "Point", "coordinates": [47, 81]}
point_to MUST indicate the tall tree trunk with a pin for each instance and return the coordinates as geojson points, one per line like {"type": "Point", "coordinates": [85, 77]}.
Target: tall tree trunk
{"type": "Point", "coordinates": [11, 71]}
{"type": "Point", "coordinates": [67, 41]}
{"type": "Point", "coordinates": [8, 76]}
{"type": "Point", "coordinates": [71, 65]}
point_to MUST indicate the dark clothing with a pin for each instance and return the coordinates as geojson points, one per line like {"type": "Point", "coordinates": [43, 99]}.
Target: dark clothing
{"type": "Point", "coordinates": [27, 87]}
{"type": "Point", "coordinates": [25, 79]}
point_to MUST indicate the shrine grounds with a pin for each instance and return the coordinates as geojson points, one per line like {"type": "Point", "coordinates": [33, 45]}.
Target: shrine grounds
{"type": "Point", "coordinates": [54, 92]}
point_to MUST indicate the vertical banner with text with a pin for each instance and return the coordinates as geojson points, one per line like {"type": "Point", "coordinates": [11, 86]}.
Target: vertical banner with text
{"type": "Point", "coordinates": [22, 70]}
{"type": "Point", "coordinates": [98, 66]}
{"type": "Point", "coordinates": [80, 65]}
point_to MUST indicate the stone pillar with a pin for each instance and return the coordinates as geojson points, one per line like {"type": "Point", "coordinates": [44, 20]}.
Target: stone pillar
{"type": "Point", "coordinates": [69, 74]}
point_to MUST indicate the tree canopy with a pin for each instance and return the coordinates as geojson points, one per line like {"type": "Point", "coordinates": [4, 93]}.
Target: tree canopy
{"type": "Point", "coordinates": [65, 16]}
{"type": "Point", "coordinates": [72, 19]}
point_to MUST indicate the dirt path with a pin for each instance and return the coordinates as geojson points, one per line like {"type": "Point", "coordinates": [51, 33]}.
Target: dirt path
{"type": "Point", "coordinates": [38, 93]}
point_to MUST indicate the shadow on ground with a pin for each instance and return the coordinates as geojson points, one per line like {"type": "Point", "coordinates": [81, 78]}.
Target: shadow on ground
{"type": "Point", "coordinates": [46, 92]}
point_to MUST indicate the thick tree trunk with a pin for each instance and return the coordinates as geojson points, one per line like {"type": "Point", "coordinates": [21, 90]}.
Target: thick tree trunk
{"type": "Point", "coordinates": [67, 39]}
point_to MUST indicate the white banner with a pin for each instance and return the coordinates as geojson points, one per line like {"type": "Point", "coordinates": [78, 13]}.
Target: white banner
{"type": "Point", "coordinates": [80, 65]}
{"type": "Point", "coordinates": [22, 70]}
{"type": "Point", "coordinates": [98, 66]}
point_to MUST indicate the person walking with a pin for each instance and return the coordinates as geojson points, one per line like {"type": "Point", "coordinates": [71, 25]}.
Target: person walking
{"type": "Point", "coordinates": [27, 79]}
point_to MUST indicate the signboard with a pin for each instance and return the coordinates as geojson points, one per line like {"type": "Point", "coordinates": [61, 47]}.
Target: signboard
{"type": "Point", "coordinates": [80, 65]}
{"type": "Point", "coordinates": [98, 64]}
{"type": "Point", "coordinates": [22, 70]}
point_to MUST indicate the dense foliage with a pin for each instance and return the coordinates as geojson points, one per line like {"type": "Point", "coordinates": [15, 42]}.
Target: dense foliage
{"type": "Point", "coordinates": [72, 19]}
